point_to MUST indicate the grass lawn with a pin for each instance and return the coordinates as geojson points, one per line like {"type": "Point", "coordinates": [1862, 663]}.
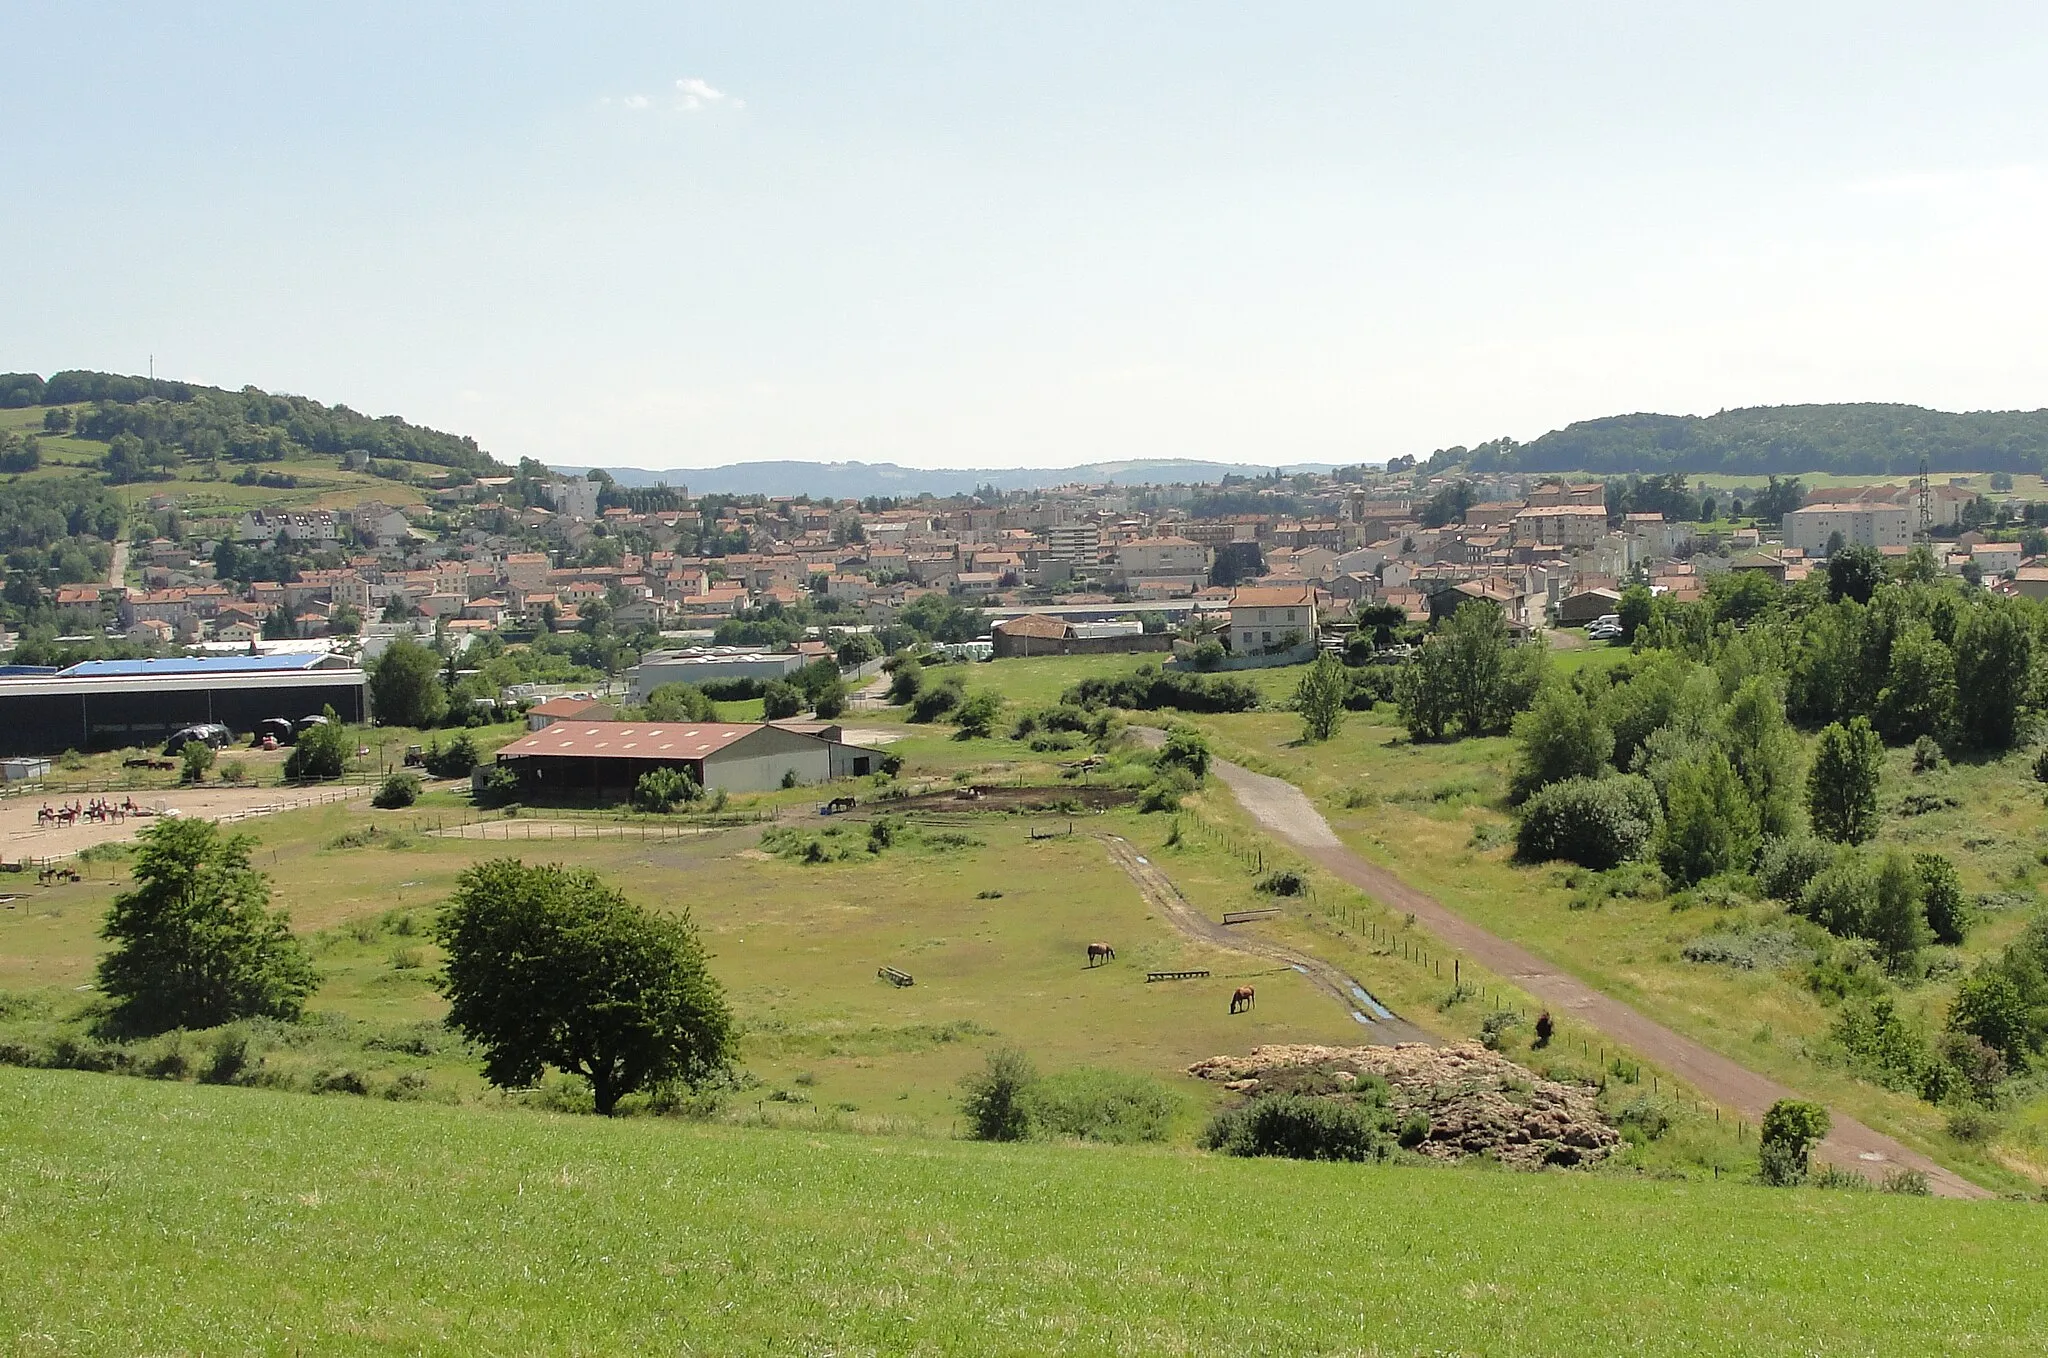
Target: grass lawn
{"type": "Point", "coordinates": [149, 1217]}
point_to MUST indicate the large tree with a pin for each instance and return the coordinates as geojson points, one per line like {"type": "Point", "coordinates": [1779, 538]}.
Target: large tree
{"type": "Point", "coordinates": [551, 967]}
{"type": "Point", "coordinates": [405, 685]}
{"type": "Point", "coordinates": [1841, 787]}
{"type": "Point", "coordinates": [1994, 660]}
{"type": "Point", "coordinates": [1560, 737]}
{"type": "Point", "coordinates": [1319, 697]}
{"type": "Point", "coordinates": [195, 943]}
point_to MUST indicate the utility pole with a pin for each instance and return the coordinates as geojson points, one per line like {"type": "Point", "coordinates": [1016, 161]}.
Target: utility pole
{"type": "Point", "coordinates": [1924, 500]}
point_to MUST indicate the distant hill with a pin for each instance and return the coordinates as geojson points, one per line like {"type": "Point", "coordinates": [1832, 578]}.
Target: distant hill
{"type": "Point", "coordinates": [1852, 439]}
{"type": "Point", "coordinates": [858, 480]}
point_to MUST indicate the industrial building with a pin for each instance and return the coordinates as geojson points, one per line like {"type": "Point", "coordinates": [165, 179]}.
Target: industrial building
{"type": "Point", "coordinates": [599, 758]}
{"type": "Point", "coordinates": [709, 665]}
{"type": "Point", "coordinates": [115, 704]}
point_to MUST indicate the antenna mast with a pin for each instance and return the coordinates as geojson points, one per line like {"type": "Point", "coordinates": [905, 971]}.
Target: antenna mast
{"type": "Point", "coordinates": [1924, 499]}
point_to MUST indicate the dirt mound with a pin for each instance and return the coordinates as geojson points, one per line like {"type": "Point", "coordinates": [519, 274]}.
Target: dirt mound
{"type": "Point", "coordinates": [1476, 1100]}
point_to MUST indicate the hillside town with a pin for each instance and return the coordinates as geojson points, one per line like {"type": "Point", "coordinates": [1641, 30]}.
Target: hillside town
{"type": "Point", "coordinates": [1075, 569]}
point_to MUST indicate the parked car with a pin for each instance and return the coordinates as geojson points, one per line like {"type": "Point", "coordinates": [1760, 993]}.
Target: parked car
{"type": "Point", "coordinates": [210, 733]}
{"type": "Point", "coordinates": [1599, 633]}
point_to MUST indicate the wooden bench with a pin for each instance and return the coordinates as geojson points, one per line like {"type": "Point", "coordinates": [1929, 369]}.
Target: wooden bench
{"type": "Point", "coordinates": [1176, 975]}
{"type": "Point", "coordinates": [895, 977]}
{"type": "Point", "coordinates": [1247, 916]}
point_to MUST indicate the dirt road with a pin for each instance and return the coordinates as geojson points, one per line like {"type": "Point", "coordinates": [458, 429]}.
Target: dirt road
{"type": "Point", "coordinates": [1380, 1027]}
{"type": "Point", "coordinates": [1282, 808]}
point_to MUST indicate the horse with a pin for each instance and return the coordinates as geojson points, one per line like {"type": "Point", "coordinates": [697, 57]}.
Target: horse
{"type": "Point", "coordinates": [1240, 999]}
{"type": "Point", "coordinates": [1100, 952]}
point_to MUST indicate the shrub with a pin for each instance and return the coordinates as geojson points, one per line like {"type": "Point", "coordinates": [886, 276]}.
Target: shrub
{"type": "Point", "coordinates": [780, 701]}
{"type": "Point", "coordinates": [1185, 748]}
{"type": "Point", "coordinates": [321, 751]}
{"type": "Point", "coordinates": [936, 701]}
{"type": "Point", "coordinates": [1100, 1105]}
{"type": "Point", "coordinates": [1494, 1028]}
{"type": "Point", "coordinates": [1166, 791]}
{"type": "Point", "coordinates": [397, 790]}
{"type": "Point", "coordinates": [1370, 686]}
{"type": "Point", "coordinates": [498, 786]}
{"type": "Point", "coordinates": [194, 760]}
{"type": "Point", "coordinates": [1208, 654]}
{"type": "Point", "coordinates": [1928, 758]}
{"type": "Point", "coordinates": [994, 1098]}
{"type": "Point", "coordinates": [234, 772]}
{"type": "Point", "coordinates": [1151, 688]}
{"type": "Point", "coordinates": [1595, 823]}
{"type": "Point", "coordinates": [1790, 1128]}
{"type": "Point", "coordinates": [1285, 882]}
{"type": "Point", "coordinates": [976, 715]}
{"type": "Point", "coordinates": [1299, 1128]}
{"type": "Point", "coordinates": [1789, 862]}
{"type": "Point", "coordinates": [453, 760]}
{"type": "Point", "coordinates": [663, 790]}
{"type": "Point", "coordinates": [1909, 1182]}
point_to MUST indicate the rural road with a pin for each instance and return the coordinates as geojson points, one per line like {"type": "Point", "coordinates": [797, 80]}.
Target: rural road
{"type": "Point", "coordinates": [1381, 1028]}
{"type": "Point", "coordinates": [1281, 808]}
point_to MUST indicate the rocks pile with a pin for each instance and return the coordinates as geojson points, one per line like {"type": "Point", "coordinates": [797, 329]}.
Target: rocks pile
{"type": "Point", "coordinates": [1475, 1100]}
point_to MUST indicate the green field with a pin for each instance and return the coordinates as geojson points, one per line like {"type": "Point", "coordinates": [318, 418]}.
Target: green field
{"type": "Point", "coordinates": [139, 1217]}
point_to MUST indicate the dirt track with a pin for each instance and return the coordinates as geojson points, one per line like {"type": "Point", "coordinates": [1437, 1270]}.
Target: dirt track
{"type": "Point", "coordinates": [21, 837]}
{"type": "Point", "coordinates": [1282, 808]}
{"type": "Point", "coordinates": [1160, 892]}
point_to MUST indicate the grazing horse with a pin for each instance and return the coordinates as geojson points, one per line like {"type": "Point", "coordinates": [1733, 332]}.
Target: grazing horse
{"type": "Point", "coordinates": [1240, 999]}
{"type": "Point", "coordinates": [1100, 952]}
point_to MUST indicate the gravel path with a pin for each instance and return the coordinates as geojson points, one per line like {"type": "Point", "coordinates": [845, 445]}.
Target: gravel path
{"type": "Point", "coordinates": [1281, 808]}
{"type": "Point", "coordinates": [1162, 895]}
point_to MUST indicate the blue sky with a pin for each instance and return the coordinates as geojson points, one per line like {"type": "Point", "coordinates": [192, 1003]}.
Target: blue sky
{"type": "Point", "coordinates": [990, 235]}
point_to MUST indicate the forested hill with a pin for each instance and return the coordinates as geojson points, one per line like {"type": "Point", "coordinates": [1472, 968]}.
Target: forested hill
{"type": "Point", "coordinates": [156, 424]}
{"type": "Point", "coordinates": [1866, 438]}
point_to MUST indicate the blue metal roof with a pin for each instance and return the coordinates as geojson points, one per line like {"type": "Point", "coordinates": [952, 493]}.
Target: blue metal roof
{"type": "Point", "coordinates": [211, 664]}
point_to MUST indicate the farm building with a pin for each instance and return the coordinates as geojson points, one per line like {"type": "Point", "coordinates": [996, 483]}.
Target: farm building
{"type": "Point", "coordinates": [1579, 609]}
{"type": "Point", "coordinates": [709, 665]}
{"type": "Point", "coordinates": [586, 758]}
{"type": "Point", "coordinates": [1036, 634]}
{"type": "Point", "coordinates": [111, 704]}
{"type": "Point", "coordinates": [543, 715]}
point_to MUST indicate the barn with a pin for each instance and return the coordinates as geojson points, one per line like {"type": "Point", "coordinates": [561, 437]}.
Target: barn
{"type": "Point", "coordinates": [599, 758]}
{"type": "Point", "coordinates": [113, 704]}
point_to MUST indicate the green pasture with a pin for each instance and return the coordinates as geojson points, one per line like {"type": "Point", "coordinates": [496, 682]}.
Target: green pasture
{"type": "Point", "coordinates": [143, 1217]}
{"type": "Point", "coordinates": [1436, 815]}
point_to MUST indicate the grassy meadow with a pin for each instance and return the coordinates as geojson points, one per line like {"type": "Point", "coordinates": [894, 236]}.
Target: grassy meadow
{"type": "Point", "coordinates": [145, 1217]}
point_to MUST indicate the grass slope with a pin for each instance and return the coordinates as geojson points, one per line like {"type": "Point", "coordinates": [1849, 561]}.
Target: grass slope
{"type": "Point", "coordinates": [141, 1217]}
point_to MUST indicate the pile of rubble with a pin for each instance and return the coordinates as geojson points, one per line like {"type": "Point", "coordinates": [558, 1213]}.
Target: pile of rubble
{"type": "Point", "coordinates": [1475, 1100]}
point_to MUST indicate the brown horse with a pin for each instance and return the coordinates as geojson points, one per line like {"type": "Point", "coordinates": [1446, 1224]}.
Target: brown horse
{"type": "Point", "coordinates": [1241, 999]}
{"type": "Point", "coordinates": [1100, 952]}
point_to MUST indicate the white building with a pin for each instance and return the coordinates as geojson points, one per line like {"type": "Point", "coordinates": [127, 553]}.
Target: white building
{"type": "Point", "coordinates": [1812, 528]}
{"type": "Point", "coordinates": [575, 498]}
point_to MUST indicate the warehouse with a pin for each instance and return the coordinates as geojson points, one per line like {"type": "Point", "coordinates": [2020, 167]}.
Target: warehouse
{"type": "Point", "coordinates": [599, 758]}
{"type": "Point", "coordinates": [115, 704]}
{"type": "Point", "coordinates": [709, 665]}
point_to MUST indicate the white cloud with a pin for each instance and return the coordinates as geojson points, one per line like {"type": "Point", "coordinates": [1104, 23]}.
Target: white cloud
{"type": "Point", "coordinates": [692, 94]}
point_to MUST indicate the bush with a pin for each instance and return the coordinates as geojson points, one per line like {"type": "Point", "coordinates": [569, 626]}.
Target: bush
{"type": "Point", "coordinates": [1166, 791]}
{"type": "Point", "coordinates": [498, 786]}
{"type": "Point", "coordinates": [976, 716]}
{"type": "Point", "coordinates": [1285, 882]}
{"type": "Point", "coordinates": [1928, 758]}
{"type": "Point", "coordinates": [663, 790]}
{"type": "Point", "coordinates": [1150, 688]}
{"type": "Point", "coordinates": [995, 1098]}
{"type": "Point", "coordinates": [1790, 1129]}
{"type": "Point", "coordinates": [454, 760]}
{"type": "Point", "coordinates": [780, 701]}
{"type": "Point", "coordinates": [1369, 687]}
{"type": "Point", "coordinates": [1185, 748]}
{"type": "Point", "coordinates": [1208, 654]}
{"type": "Point", "coordinates": [397, 790]}
{"type": "Point", "coordinates": [321, 751]}
{"type": "Point", "coordinates": [194, 760]}
{"type": "Point", "coordinates": [936, 701]}
{"type": "Point", "coordinates": [1594, 822]}
{"type": "Point", "coordinates": [1789, 862]}
{"type": "Point", "coordinates": [1300, 1128]}
{"type": "Point", "coordinates": [1100, 1105]}
{"type": "Point", "coordinates": [234, 772]}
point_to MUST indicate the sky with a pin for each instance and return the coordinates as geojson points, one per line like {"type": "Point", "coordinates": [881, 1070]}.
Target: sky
{"type": "Point", "coordinates": [988, 235]}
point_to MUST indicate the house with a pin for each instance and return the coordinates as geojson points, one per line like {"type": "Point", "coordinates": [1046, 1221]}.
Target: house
{"type": "Point", "coordinates": [1576, 610]}
{"type": "Point", "coordinates": [1036, 634]}
{"type": "Point", "coordinates": [542, 715]}
{"type": "Point", "coordinates": [608, 757]}
{"type": "Point", "coordinates": [1264, 617]}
